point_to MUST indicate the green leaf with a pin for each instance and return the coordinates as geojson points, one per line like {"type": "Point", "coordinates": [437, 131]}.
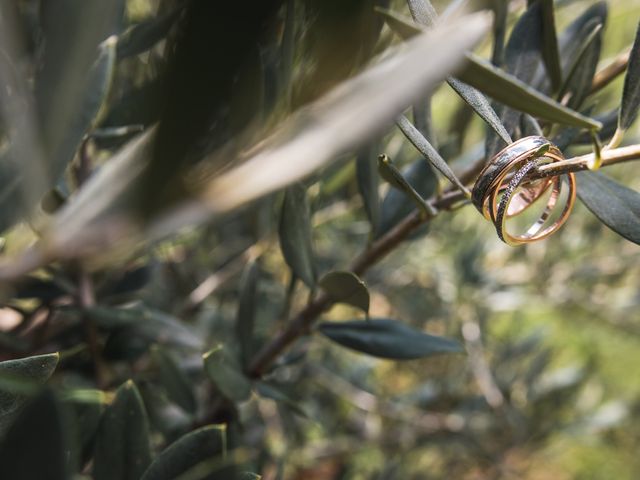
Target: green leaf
{"type": "Point", "coordinates": [391, 174]}
{"type": "Point", "coordinates": [367, 176]}
{"type": "Point", "coordinates": [66, 95]}
{"type": "Point", "coordinates": [83, 410]}
{"type": "Point", "coordinates": [573, 37]}
{"type": "Point", "coordinates": [148, 324]}
{"type": "Point", "coordinates": [122, 447]}
{"type": "Point", "coordinates": [523, 53]}
{"type": "Point", "coordinates": [295, 234]}
{"type": "Point", "coordinates": [617, 206]}
{"type": "Point", "coordinates": [550, 53]}
{"type": "Point", "coordinates": [474, 99]}
{"type": "Point", "coordinates": [580, 75]}
{"type": "Point", "coordinates": [246, 315]}
{"type": "Point", "coordinates": [203, 444]}
{"type": "Point", "coordinates": [430, 153]}
{"type": "Point", "coordinates": [277, 393]}
{"type": "Point", "coordinates": [396, 205]}
{"type": "Point", "coordinates": [631, 91]}
{"type": "Point", "coordinates": [19, 378]}
{"type": "Point", "coordinates": [481, 106]}
{"type": "Point", "coordinates": [510, 91]}
{"type": "Point", "coordinates": [143, 36]}
{"type": "Point", "coordinates": [34, 447]}
{"type": "Point", "coordinates": [176, 383]}
{"type": "Point", "coordinates": [346, 287]}
{"type": "Point", "coordinates": [225, 372]}
{"type": "Point", "coordinates": [385, 338]}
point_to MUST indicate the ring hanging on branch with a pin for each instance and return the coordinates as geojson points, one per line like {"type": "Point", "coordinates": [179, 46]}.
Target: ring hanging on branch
{"type": "Point", "coordinates": [503, 189]}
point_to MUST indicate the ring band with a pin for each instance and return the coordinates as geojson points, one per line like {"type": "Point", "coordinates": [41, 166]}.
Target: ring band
{"type": "Point", "coordinates": [521, 157]}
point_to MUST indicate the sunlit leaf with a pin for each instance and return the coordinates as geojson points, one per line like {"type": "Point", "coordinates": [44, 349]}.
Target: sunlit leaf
{"type": "Point", "coordinates": [346, 287]}
{"type": "Point", "coordinates": [385, 338]}
{"type": "Point", "coordinates": [631, 91]}
{"type": "Point", "coordinates": [34, 447]}
{"type": "Point", "coordinates": [617, 206]}
{"type": "Point", "coordinates": [295, 233]}
{"type": "Point", "coordinates": [19, 378]}
{"type": "Point", "coordinates": [205, 443]}
{"type": "Point", "coordinates": [225, 372]}
{"type": "Point", "coordinates": [123, 448]}
{"type": "Point", "coordinates": [422, 12]}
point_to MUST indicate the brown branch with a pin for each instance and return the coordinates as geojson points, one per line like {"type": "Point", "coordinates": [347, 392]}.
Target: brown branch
{"type": "Point", "coordinates": [609, 73]}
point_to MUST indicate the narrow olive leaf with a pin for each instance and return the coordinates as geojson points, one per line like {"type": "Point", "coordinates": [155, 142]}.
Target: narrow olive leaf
{"type": "Point", "coordinates": [246, 314]}
{"type": "Point", "coordinates": [147, 323]}
{"type": "Point", "coordinates": [391, 174]}
{"type": "Point", "coordinates": [512, 92]}
{"type": "Point", "coordinates": [430, 153]}
{"type": "Point", "coordinates": [530, 126]}
{"type": "Point", "coordinates": [275, 392]}
{"type": "Point", "coordinates": [142, 36]}
{"type": "Point", "coordinates": [397, 205]}
{"type": "Point", "coordinates": [122, 447]}
{"type": "Point", "coordinates": [550, 53]}
{"type": "Point", "coordinates": [579, 77]}
{"type": "Point", "coordinates": [423, 121]}
{"type": "Point", "coordinates": [72, 31]}
{"type": "Point", "coordinates": [481, 106]}
{"type": "Point", "coordinates": [17, 379]}
{"type": "Point", "coordinates": [346, 287]}
{"type": "Point", "coordinates": [225, 372]}
{"type": "Point", "coordinates": [367, 177]}
{"type": "Point", "coordinates": [572, 39]}
{"type": "Point", "coordinates": [617, 206]}
{"type": "Point", "coordinates": [523, 53]}
{"type": "Point", "coordinates": [174, 380]}
{"type": "Point", "coordinates": [34, 447]}
{"type": "Point", "coordinates": [203, 444]}
{"type": "Point", "coordinates": [631, 90]}
{"type": "Point", "coordinates": [406, 29]}
{"type": "Point", "coordinates": [295, 234]}
{"type": "Point", "coordinates": [386, 338]}
{"type": "Point", "coordinates": [500, 12]}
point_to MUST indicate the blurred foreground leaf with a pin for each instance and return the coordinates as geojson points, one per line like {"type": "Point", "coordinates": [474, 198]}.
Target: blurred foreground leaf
{"type": "Point", "coordinates": [385, 338]}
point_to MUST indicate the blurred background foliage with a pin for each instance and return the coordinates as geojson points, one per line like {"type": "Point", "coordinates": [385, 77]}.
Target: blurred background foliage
{"type": "Point", "coordinates": [548, 389]}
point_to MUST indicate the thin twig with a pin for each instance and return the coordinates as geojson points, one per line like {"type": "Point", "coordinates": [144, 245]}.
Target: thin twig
{"type": "Point", "coordinates": [86, 299]}
{"type": "Point", "coordinates": [609, 73]}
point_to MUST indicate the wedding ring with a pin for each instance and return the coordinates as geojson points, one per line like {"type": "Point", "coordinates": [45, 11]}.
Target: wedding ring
{"type": "Point", "coordinates": [505, 176]}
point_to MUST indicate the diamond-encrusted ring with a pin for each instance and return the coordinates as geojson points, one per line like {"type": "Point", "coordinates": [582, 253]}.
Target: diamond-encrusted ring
{"type": "Point", "coordinates": [501, 191]}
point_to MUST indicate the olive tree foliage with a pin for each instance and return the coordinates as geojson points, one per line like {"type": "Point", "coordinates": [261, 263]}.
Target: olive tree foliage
{"type": "Point", "coordinates": [170, 260]}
